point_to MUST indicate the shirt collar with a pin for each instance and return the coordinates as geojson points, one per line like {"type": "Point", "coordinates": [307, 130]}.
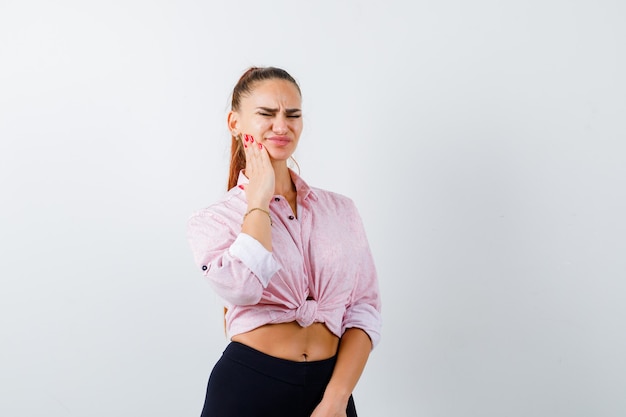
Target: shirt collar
{"type": "Point", "coordinates": [302, 188]}
{"type": "Point", "coordinates": [242, 179]}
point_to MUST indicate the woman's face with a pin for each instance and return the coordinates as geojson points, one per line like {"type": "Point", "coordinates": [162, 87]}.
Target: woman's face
{"type": "Point", "coordinates": [272, 114]}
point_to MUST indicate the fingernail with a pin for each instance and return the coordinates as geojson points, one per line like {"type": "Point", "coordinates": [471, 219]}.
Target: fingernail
{"type": "Point", "coordinates": [260, 146]}
{"type": "Point", "coordinates": [246, 137]}
{"type": "Point", "coordinates": [240, 186]}
{"type": "Point", "coordinates": [251, 139]}
{"type": "Point", "coordinates": [245, 145]}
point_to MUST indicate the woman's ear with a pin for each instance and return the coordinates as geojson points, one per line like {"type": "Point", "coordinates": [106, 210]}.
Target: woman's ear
{"type": "Point", "coordinates": [233, 121]}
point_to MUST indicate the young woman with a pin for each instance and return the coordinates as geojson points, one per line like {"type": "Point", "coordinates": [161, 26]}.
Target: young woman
{"type": "Point", "coordinates": [293, 266]}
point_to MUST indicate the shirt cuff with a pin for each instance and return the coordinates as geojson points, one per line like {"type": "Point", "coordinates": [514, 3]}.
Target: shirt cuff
{"type": "Point", "coordinates": [366, 318]}
{"type": "Point", "coordinates": [254, 255]}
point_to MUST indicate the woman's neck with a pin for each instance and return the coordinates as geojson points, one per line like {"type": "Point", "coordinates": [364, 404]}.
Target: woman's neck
{"type": "Point", "coordinates": [283, 184]}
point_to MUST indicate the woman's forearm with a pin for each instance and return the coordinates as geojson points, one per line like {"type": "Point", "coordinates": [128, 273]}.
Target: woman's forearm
{"type": "Point", "coordinates": [257, 223]}
{"type": "Point", "coordinates": [354, 350]}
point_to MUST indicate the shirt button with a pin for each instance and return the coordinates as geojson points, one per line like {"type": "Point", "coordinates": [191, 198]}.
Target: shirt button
{"type": "Point", "coordinates": [276, 199]}
{"type": "Point", "coordinates": [291, 217]}
{"type": "Point", "coordinates": [204, 267]}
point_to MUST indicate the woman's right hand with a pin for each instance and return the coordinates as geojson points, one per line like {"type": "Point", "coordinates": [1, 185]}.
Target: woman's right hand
{"type": "Point", "coordinates": [259, 192]}
{"type": "Point", "coordinates": [260, 173]}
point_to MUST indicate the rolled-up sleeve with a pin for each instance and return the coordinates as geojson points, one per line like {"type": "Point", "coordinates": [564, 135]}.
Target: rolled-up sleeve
{"type": "Point", "coordinates": [364, 309]}
{"type": "Point", "coordinates": [258, 259]}
{"type": "Point", "coordinates": [235, 264]}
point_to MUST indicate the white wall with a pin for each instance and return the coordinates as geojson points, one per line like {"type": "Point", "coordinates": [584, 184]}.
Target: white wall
{"type": "Point", "coordinates": [482, 141]}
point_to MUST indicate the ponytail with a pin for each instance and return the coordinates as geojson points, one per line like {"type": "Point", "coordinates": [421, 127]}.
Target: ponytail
{"type": "Point", "coordinates": [237, 161]}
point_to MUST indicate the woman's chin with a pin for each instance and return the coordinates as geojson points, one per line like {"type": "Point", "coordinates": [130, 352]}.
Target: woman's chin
{"type": "Point", "coordinates": [278, 156]}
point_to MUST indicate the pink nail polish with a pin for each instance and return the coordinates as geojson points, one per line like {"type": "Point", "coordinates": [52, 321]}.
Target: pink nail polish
{"type": "Point", "coordinates": [240, 186]}
{"type": "Point", "coordinates": [246, 137]}
{"type": "Point", "coordinates": [260, 146]}
{"type": "Point", "coordinates": [245, 145]}
{"type": "Point", "coordinates": [251, 139]}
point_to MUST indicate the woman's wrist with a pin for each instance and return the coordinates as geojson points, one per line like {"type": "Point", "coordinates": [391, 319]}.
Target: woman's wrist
{"type": "Point", "coordinates": [259, 210]}
{"type": "Point", "coordinates": [258, 204]}
{"type": "Point", "coordinates": [336, 394]}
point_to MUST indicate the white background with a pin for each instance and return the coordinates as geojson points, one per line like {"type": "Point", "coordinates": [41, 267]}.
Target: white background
{"type": "Point", "coordinates": [482, 141]}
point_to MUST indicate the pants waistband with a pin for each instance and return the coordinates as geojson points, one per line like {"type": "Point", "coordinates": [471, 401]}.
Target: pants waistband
{"type": "Point", "coordinates": [297, 373]}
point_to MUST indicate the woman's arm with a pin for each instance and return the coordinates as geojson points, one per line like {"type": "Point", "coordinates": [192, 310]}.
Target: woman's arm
{"type": "Point", "coordinates": [259, 192]}
{"type": "Point", "coordinates": [354, 350]}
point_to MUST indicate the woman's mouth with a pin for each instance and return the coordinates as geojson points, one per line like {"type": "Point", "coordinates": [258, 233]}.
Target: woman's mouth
{"type": "Point", "coordinates": [280, 140]}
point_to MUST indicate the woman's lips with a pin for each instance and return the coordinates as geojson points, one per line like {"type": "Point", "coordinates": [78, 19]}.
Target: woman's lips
{"type": "Point", "coordinates": [280, 140]}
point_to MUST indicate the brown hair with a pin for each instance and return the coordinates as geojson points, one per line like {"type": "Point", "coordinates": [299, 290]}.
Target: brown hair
{"type": "Point", "coordinates": [244, 87]}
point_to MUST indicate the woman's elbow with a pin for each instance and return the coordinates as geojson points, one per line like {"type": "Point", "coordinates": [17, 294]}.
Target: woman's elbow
{"type": "Point", "coordinates": [242, 295]}
{"type": "Point", "coordinates": [245, 299]}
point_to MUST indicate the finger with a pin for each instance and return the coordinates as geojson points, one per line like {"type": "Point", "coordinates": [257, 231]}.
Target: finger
{"type": "Point", "coordinates": [256, 149]}
{"type": "Point", "coordinates": [253, 162]}
{"type": "Point", "coordinates": [264, 156]}
{"type": "Point", "coordinates": [247, 149]}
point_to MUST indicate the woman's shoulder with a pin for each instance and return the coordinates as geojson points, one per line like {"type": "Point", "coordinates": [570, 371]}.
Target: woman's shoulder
{"type": "Point", "coordinates": [319, 194]}
{"type": "Point", "coordinates": [333, 195]}
{"type": "Point", "coordinates": [225, 209]}
{"type": "Point", "coordinates": [333, 198]}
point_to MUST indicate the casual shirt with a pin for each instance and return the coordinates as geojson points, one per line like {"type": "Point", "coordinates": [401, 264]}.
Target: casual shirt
{"type": "Point", "coordinates": [320, 268]}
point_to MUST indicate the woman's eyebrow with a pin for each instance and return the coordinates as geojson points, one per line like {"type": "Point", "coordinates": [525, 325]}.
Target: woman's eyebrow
{"type": "Point", "coordinates": [273, 110]}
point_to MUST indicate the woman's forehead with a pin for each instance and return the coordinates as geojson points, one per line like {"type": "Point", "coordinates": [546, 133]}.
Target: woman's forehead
{"type": "Point", "coordinates": [274, 91]}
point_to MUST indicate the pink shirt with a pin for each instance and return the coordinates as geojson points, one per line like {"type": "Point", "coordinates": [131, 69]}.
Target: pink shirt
{"type": "Point", "coordinates": [320, 270]}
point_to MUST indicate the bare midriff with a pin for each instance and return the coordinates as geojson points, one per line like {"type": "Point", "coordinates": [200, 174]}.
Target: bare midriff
{"type": "Point", "coordinates": [291, 341]}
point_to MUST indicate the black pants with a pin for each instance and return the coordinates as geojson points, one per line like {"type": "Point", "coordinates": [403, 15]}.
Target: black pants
{"type": "Point", "coordinates": [249, 383]}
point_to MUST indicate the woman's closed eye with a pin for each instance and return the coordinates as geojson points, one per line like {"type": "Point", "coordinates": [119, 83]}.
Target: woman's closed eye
{"type": "Point", "coordinates": [290, 112]}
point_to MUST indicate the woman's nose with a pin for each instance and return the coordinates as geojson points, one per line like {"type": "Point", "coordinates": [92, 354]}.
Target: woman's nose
{"type": "Point", "coordinates": [280, 125]}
